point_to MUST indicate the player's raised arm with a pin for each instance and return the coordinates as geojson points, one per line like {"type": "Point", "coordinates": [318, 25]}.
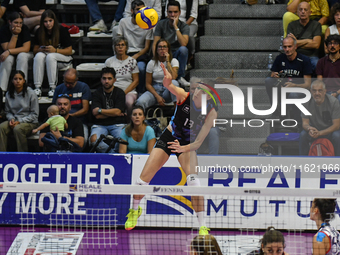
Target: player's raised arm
{"type": "Point", "coordinates": [177, 91]}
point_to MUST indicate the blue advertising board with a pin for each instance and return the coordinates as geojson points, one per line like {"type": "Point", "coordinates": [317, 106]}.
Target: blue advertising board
{"type": "Point", "coordinates": [82, 171]}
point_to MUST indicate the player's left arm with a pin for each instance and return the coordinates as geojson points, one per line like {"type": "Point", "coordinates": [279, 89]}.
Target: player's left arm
{"type": "Point", "coordinates": [209, 122]}
{"type": "Point", "coordinates": [321, 244]}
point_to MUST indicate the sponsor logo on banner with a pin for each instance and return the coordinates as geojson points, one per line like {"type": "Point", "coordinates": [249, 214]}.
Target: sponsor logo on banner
{"type": "Point", "coordinates": [1, 186]}
{"type": "Point", "coordinates": [86, 188]}
{"type": "Point", "coordinates": [167, 190]}
{"type": "Point", "coordinates": [252, 191]}
{"type": "Point", "coordinates": [73, 188]}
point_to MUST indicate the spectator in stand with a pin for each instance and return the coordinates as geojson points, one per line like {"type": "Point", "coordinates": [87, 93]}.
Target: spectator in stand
{"type": "Point", "coordinates": [74, 131]}
{"type": "Point", "coordinates": [15, 43]}
{"type": "Point", "coordinates": [189, 13]}
{"type": "Point", "coordinates": [335, 19]}
{"type": "Point", "coordinates": [211, 143]}
{"type": "Point", "coordinates": [319, 11]}
{"type": "Point", "coordinates": [108, 107]}
{"type": "Point", "coordinates": [156, 92]}
{"type": "Point", "coordinates": [307, 33]}
{"type": "Point", "coordinates": [176, 32]}
{"type": "Point", "coordinates": [139, 41]}
{"type": "Point", "coordinates": [328, 67]}
{"type": "Point", "coordinates": [3, 7]}
{"type": "Point", "coordinates": [298, 70]}
{"type": "Point", "coordinates": [2, 112]}
{"type": "Point", "coordinates": [155, 4]}
{"type": "Point", "coordinates": [53, 48]}
{"type": "Point", "coordinates": [80, 96]}
{"type": "Point", "coordinates": [54, 121]}
{"type": "Point", "coordinates": [138, 134]}
{"type": "Point", "coordinates": [22, 111]}
{"type": "Point", "coordinates": [126, 70]}
{"type": "Point", "coordinates": [97, 17]}
{"type": "Point", "coordinates": [324, 121]}
{"type": "Point", "coordinates": [32, 11]}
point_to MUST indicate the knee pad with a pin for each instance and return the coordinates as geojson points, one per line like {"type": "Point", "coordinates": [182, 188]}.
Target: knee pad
{"type": "Point", "coordinates": [139, 181]}
{"type": "Point", "coordinates": [192, 180]}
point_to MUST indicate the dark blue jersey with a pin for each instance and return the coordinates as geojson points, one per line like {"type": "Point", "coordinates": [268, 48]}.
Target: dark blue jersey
{"type": "Point", "coordinates": [187, 120]}
{"type": "Point", "coordinates": [296, 68]}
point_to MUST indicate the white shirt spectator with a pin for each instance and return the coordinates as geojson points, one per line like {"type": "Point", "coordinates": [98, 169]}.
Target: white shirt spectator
{"type": "Point", "coordinates": [135, 35]}
{"type": "Point", "coordinates": [156, 4]}
{"type": "Point", "coordinates": [124, 70]}
{"type": "Point", "coordinates": [157, 71]}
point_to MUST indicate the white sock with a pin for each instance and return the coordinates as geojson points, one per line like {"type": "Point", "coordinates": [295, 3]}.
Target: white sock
{"type": "Point", "coordinates": [136, 204]}
{"type": "Point", "coordinates": [201, 219]}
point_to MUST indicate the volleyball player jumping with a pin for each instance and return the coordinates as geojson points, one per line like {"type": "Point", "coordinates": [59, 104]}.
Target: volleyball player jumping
{"type": "Point", "coordinates": [183, 136]}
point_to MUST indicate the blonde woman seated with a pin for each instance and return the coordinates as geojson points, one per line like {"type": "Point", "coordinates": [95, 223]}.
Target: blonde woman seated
{"type": "Point", "coordinates": [141, 137]}
{"type": "Point", "coordinates": [156, 92]}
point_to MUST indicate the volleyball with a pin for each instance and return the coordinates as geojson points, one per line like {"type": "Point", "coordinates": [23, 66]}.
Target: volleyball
{"type": "Point", "coordinates": [147, 18]}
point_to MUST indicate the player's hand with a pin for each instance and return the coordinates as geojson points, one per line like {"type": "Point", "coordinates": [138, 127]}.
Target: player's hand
{"type": "Point", "coordinates": [167, 76]}
{"type": "Point", "coordinates": [175, 147]}
{"type": "Point", "coordinates": [34, 131]}
{"type": "Point", "coordinates": [4, 55]}
{"type": "Point", "coordinates": [56, 133]}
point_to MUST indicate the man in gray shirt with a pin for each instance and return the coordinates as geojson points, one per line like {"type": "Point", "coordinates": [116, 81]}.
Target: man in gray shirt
{"type": "Point", "coordinates": [324, 121]}
{"type": "Point", "coordinates": [177, 33]}
{"type": "Point", "coordinates": [307, 33]}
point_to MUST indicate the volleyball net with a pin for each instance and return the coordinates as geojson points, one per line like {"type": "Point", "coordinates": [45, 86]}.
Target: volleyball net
{"type": "Point", "coordinates": [89, 218]}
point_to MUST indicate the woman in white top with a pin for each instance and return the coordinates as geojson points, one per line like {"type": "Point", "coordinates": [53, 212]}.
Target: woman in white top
{"type": "Point", "coordinates": [156, 92]}
{"type": "Point", "coordinates": [335, 19]}
{"type": "Point", "coordinates": [126, 71]}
